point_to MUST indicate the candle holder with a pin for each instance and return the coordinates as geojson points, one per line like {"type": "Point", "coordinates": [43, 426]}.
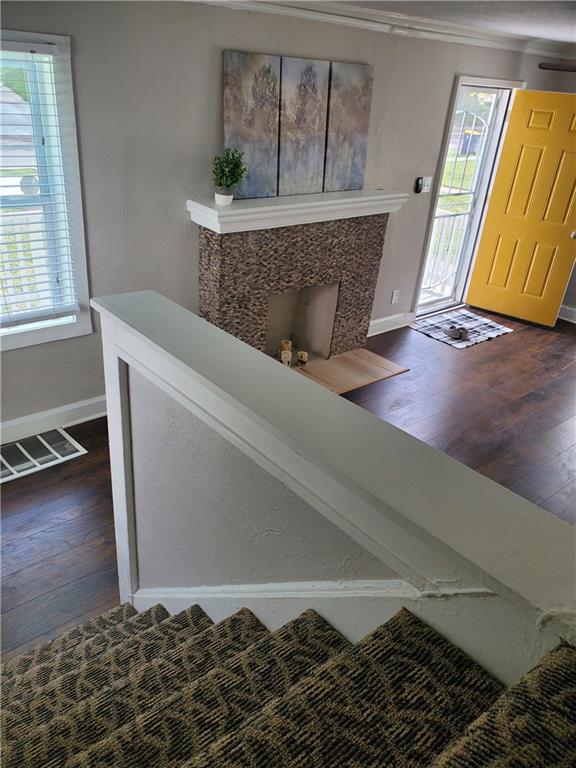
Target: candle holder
{"type": "Point", "coordinates": [302, 357]}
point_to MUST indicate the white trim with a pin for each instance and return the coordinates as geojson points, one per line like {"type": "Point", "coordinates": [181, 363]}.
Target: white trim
{"type": "Point", "coordinates": [306, 590]}
{"type": "Point", "coordinates": [440, 308]}
{"type": "Point", "coordinates": [401, 24]}
{"type": "Point", "coordinates": [272, 212]}
{"type": "Point", "coordinates": [59, 46]}
{"type": "Point", "coordinates": [504, 637]}
{"type": "Point", "coordinates": [63, 416]}
{"type": "Point", "coordinates": [567, 313]}
{"type": "Point", "coordinates": [42, 39]}
{"type": "Point", "coordinates": [390, 323]}
{"type": "Point", "coordinates": [398, 589]}
{"type": "Point", "coordinates": [81, 326]}
{"type": "Point", "coordinates": [353, 607]}
{"type": "Point", "coordinates": [477, 216]}
{"type": "Point", "coordinates": [121, 468]}
{"type": "Point", "coordinates": [31, 47]}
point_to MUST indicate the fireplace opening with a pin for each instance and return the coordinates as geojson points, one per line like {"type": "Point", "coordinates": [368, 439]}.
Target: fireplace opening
{"type": "Point", "coordinates": [305, 316]}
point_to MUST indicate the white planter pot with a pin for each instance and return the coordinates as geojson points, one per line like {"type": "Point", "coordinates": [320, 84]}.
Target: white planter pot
{"type": "Point", "coordinates": [223, 199]}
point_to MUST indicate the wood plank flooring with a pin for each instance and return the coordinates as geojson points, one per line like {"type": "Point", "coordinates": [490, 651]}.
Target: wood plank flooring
{"type": "Point", "coordinates": [350, 370]}
{"type": "Point", "coordinates": [58, 549]}
{"type": "Point", "coordinates": [506, 407]}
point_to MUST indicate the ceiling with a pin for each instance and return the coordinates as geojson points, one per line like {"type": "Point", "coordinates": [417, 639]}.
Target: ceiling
{"type": "Point", "coordinates": [534, 19]}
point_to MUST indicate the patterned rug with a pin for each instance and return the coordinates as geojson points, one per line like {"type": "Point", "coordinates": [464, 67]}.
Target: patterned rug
{"type": "Point", "coordinates": [479, 328]}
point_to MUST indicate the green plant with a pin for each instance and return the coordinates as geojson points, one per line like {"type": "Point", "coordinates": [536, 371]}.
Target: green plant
{"type": "Point", "coordinates": [228, 169]}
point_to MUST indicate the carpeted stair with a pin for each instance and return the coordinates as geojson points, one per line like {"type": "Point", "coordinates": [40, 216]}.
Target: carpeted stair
{"type": "Point", "coordinates": [26, 704]}
{"type": "Point", "coordinates": [534, 722]}
{"type": "Point", "coordinates": [150, 690]}
{"type": "Point", "coordinates": [68, 640]}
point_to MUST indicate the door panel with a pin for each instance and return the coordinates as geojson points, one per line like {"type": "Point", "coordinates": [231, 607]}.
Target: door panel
{"type": "Point", "coordinates": [526, 254]}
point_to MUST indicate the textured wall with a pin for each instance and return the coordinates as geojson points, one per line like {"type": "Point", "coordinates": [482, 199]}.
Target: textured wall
{"type": "Point", "coordinates": [230, 522]}
{"type": "Point", "coordinates": [148, 97]}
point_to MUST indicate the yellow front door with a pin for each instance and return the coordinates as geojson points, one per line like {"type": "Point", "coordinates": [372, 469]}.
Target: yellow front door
{"type": "Point", "coordinates": [527, 251]}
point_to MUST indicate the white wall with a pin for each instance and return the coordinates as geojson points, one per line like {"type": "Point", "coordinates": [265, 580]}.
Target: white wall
{"type": "Point", "coordinates": [147, 79]}
{"type": "Point", "coordinates": [230, 522]}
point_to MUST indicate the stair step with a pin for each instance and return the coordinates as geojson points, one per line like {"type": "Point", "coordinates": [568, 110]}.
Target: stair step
{"type": "Point", "coordinates": [35, 707]}
{"type": "Point", "coordinates": [395, 699]}
{"type": "Point", "coordinates": [220, 702]}
{"type": "Point", "coordinates": [69, 660]}
{"type": "Point", "coordinates": [67, 640]}
{"type": "Point", "coordinates": [152, 691]}
{"type": "Point", "coordinates": [532, 725]}
{"type": "Point", "coordinates": [96, 717]}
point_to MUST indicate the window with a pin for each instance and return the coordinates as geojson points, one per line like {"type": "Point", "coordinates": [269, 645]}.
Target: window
{"type": "Point", "coordinates": [44, 290]}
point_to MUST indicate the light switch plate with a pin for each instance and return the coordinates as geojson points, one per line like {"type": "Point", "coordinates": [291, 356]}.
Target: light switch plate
{"type": "Point", "coordinates": [426, 183]}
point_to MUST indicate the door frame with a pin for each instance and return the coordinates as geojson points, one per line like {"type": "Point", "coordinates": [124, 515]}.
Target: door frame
{"type": "Point", "coordinates": [477, 219]}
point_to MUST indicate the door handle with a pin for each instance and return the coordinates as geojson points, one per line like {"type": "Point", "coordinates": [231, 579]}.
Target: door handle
{"type": "Point", "coordinates": [573, 235]}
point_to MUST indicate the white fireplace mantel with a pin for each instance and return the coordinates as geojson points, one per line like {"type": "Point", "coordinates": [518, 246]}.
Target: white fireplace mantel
{"type": "Point", "coordinates": [272, 212]}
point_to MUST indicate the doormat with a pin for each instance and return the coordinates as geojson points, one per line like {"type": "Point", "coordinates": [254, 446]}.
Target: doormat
{"type": "Point", "coordinates": [479, 328]}
{"type": "Point", "coordinates": [350, 370]}
{"type": "Point", "coordinates": [32, 454]}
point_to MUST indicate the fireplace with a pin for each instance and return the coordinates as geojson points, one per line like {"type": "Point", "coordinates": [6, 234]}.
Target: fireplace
{"type": "Point", "coordinates": [305, 316]}
{"type": "Point", "coordinates": [312, 280]}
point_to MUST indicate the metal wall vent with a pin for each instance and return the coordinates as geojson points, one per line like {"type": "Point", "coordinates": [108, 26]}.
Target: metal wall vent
{"type": "Point", "coordinates": [38, 452]}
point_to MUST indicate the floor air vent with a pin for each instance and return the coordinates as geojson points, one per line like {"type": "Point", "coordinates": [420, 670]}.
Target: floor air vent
{"type": "Point", "coordinates": [38, 452]}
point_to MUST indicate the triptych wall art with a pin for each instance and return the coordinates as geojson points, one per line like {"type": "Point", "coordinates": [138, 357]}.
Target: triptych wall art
{"type": "Point", "coordinates": [301, 123]}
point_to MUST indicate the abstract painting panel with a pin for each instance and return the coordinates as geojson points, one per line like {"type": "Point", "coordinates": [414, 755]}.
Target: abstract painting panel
{"type": "Point", "coordinates": [304, 107]}
{"type": "Point", "coordinates": [348, 119]}
{"type": "Point", "coordinates": [251, 118]}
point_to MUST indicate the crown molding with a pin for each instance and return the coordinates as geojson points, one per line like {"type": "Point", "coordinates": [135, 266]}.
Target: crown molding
{"type": "Point", "coordinates": [401, 24]}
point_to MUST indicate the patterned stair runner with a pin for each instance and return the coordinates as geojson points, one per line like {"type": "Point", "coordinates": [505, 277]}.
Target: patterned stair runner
{"type": "Point", "coordinates": [68, 660]}
{"type": "Point", "coordinates": [68, 640]}
{"type": "Point", "coordinates": [222, 700]}
{"type": "Point", "coordinates": [33, 707]}
{"type": "Point", "coordinates": [151, 690]}
{"type": "Point", "coordinates": [532, 725]}
{"type": "Point", "coordinates": [396, 698]}
{"type": "Point", "coordinates": [95, 717]}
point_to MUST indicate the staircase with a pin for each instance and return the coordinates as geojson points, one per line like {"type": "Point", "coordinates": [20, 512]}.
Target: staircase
{"type": "Point", "coordinates": [149, 689]}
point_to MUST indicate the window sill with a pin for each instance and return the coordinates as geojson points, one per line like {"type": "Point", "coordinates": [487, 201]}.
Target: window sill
{"type": "Point", "coordinates": [81, 326]}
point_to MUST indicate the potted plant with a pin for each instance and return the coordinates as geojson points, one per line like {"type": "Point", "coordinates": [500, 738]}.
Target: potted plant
{"type": "Point", "coordinates": [228, 171]}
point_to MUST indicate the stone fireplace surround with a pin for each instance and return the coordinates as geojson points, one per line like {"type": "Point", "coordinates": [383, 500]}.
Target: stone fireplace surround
{"type": "Point", "coordinates": [240, 270]}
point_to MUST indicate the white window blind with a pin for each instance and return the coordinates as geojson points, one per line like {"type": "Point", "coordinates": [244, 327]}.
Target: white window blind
{"type": "Point", "coordinates": [42, 256]}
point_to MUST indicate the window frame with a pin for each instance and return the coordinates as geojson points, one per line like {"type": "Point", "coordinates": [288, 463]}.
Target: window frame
{"type": "Point", "coordinates": [58, 328]}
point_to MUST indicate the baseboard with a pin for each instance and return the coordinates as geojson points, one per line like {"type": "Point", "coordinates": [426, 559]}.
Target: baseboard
{"type": "Point", "coordinates": [390, 323]}
{"type": "Point", "coordinates": [483, 624]}
{"type": "Point", "coordinates": [279, 602]}
{"type": "Point", "coordinates": [64, 416]}
{"type": "Point", "coordinates": [341, 602]}
{"type": "Point", "coordinates": [567, 313]}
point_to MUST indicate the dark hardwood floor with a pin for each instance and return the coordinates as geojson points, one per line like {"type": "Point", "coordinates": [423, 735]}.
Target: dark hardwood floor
{"type": "Point", "coordinates": [58, 549]}
{"type": "Point", "coordinates": [506, 407]}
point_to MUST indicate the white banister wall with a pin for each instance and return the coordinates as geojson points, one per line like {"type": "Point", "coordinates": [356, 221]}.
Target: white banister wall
{"type": "Point", "coordinates": [227, 518]}
{"type": "Point", "coordinates": [394, 521]}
